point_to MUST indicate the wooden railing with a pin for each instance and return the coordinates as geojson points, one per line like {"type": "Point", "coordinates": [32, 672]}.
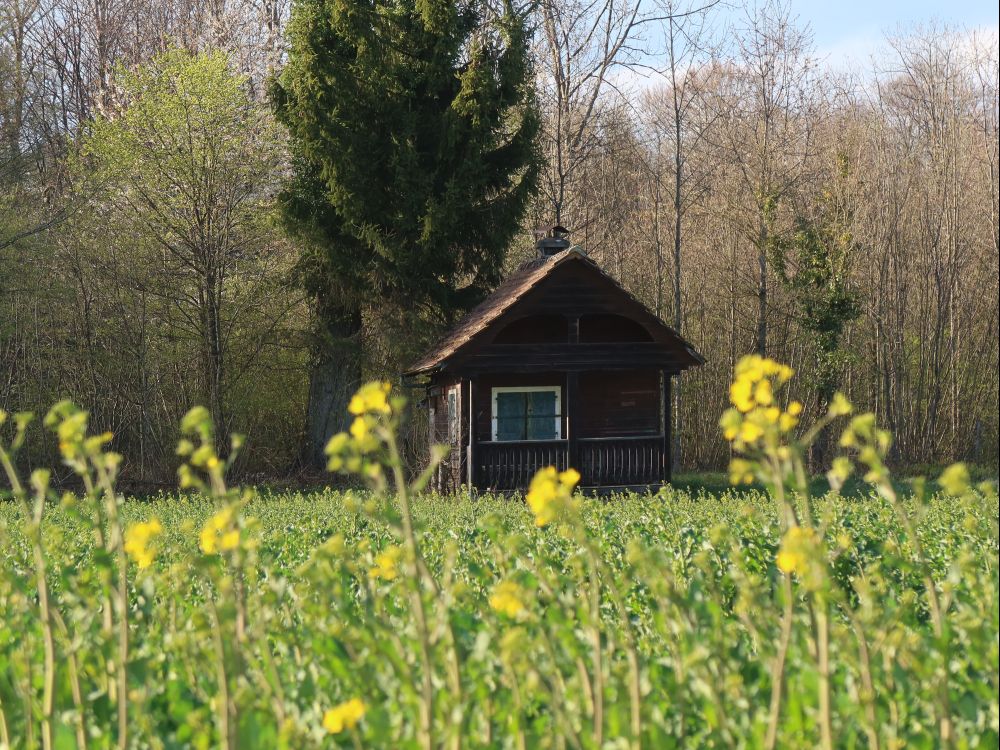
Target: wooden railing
{"type": "Point", "coordinates": [510, 465]}
{"type": "Point", "coordinates": [620, 461]}
{"type": "Point", "coordinates": [602, 462]}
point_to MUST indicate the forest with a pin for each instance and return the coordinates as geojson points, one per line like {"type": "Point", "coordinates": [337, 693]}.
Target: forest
{"type": "Point", "coordinates": [757, 197]}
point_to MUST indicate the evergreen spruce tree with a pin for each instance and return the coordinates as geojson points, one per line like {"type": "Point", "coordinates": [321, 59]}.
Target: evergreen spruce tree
{"type": "Point", "coordinates": [413, 133]}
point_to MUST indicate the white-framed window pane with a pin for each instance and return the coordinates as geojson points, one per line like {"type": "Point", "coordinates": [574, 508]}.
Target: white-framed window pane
{"type": "Point", "coordinates": [531, 413]}
{"type": "Point", "coordinates": [511, 408]}
{"type": "Point", "coordinates": [540, 418]}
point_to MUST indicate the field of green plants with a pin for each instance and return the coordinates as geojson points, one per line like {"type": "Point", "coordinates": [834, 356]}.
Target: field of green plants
{"type": "Point", "coordinates": [395, 618]}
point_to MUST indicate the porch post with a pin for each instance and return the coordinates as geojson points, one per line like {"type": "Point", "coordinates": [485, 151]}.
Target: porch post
{"type": "Point", "coordinates": [470, 461]}
{"type": "Point", "coordinates": [572, 415]}
{"type": "Point", "coordinates": [667, 468]}
{"type": "Point", "coordinates": [573, 405]}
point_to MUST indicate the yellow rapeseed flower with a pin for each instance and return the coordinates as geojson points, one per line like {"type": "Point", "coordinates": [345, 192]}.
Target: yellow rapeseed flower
{"type": "Point", "coordinates": [337, 443]}
{"type": "Point", "coordinates": [787, 422]}
{"type": "Point", "coordinates": [752, 382]}
{"type": "Point", "coordinates": [750, 367]}
{"type": "Point", "coordinates": [208, 540]}
{"type": "Point", "coordinates": [548, 491]}
{"type": "Point", "coordinates": [344, 716]}
{"type": "Point", "coordinates": [386, 563]}
{"type": "Point", "coordinates": [750, 431]}
{"type": "Point", "coordinates": [754, 367]}
{"type": "Point", "coordinates": [755, 415]}
{"type": "Point", "coordinates": [542, 492]}
{"type": "Point", "coordinates": [763, 393]}
{"type": "Point", "coordinates": [508, 599]}
{"type": "Point", "coordinates": [740, 471]}
{"type": "Point", "coordinates": [338, 449]}
{"type": "Point", "coordinates": [371, 398]}
{"type": "Point", "coordinates": [360, 428]}
{"type": "Point", "coordinates": [230, 540]}
{"type": "Point", "coordinates": [730, 423]}
{"type": "Point", "coordinates": [137, 538]}
{"type": "Point", "coordinates": [788, 562]}
{"type": "Point", "coordinates": [955, 480]}
{"type": "Point", "coordinates": [799, 547]}
{"type": "Point", "coordinates": [741, 394]}
{"type": "Point", "coordinates": [569, 478]}
{"type": "Point", "coordinates": [840, 406]}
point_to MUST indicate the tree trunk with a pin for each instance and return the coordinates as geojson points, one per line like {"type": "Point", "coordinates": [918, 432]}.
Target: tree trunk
{"type": "Point", "coordinates": [678, 312]}
{"type": "Point", "coordinates": [827, 381]}
{"type": "Point", "coordinates": [762, 291]}
{"type": "Point", "coordinates": [335, 376]}
{"type": "Point", "coordinates": [212, 352]}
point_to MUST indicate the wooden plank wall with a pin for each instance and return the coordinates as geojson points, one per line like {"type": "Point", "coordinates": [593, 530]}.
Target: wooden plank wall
{"type": "Point", "coordinates": [449, 474]}
{"type": "Point", "coordinates": [524, 339]}
{"type": "Point", "coordinates": [612, 403]}
{"type": "Point", "coordinates": [616, 404]}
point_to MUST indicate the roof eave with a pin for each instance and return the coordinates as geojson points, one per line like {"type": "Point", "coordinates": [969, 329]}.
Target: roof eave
{"type": "Point", "coordinates": [445, 359]}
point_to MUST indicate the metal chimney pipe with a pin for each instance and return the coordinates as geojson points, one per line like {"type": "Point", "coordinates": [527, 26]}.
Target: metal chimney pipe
{"type": "Point", "coordinates": [550, 240]}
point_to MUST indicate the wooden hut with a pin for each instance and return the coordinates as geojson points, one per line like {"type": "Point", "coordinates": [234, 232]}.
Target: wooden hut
{"type": "Point", "coordinates": [559, 366]}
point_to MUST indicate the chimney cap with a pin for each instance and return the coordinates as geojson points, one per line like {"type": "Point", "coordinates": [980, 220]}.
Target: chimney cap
{"type": "Point", "coordinates": [555, 231]}
{"type": "Point", "coordinates": [551, 240]}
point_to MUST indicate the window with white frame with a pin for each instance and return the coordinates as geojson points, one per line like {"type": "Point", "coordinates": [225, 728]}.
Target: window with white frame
{"type": "Point", "coordinates": [526, 413]}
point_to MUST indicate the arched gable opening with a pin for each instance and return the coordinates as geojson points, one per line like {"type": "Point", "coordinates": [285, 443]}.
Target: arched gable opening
{"type": "Point", "coordinates": [535, 329]}
{"type": "Point", "coordinates": [607, 328]}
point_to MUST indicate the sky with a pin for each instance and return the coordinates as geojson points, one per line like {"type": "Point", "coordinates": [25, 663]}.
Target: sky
{"type": "Point", "coordinates": [851, 30]}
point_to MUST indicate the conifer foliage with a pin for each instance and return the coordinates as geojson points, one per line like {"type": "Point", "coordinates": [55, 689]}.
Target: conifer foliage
{"type": "Point", "coordinates": [413, 127]}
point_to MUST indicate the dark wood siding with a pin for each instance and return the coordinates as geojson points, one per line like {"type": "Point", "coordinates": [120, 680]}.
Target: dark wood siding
{"type": "Point", "coordinates": [616, 404]}
{"type": "Point", "coordinates": [449, 475]}
{"type": "Point", "coordinates": [612, 403]}
{"type": "Point", "coordinates": [594, 309]}
{"type": "Point", "coordinates": [605, 328]}
{"type": "Point", "coordinates": [541, 358]}
{"type": "Point", "coordinates": [535, 329]}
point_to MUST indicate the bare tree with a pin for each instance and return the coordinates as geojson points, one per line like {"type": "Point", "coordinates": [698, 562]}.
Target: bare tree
{"type": "Point", "coordinates": [679, 120]}
{"type": "Point", "coordinates": [770, 104]}
{"type": "Point", "coordinates": [583, 47]}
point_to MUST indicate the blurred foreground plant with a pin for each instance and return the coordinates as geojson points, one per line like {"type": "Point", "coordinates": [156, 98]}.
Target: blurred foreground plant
{"type": "Point", "coordinates": [763, 433]}
{"type": "Point", "coordinates": [641, 622]}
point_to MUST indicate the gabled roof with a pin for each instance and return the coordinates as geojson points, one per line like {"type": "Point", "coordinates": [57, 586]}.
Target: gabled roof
{"type": "Point", "coordinates": [505, 296]}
